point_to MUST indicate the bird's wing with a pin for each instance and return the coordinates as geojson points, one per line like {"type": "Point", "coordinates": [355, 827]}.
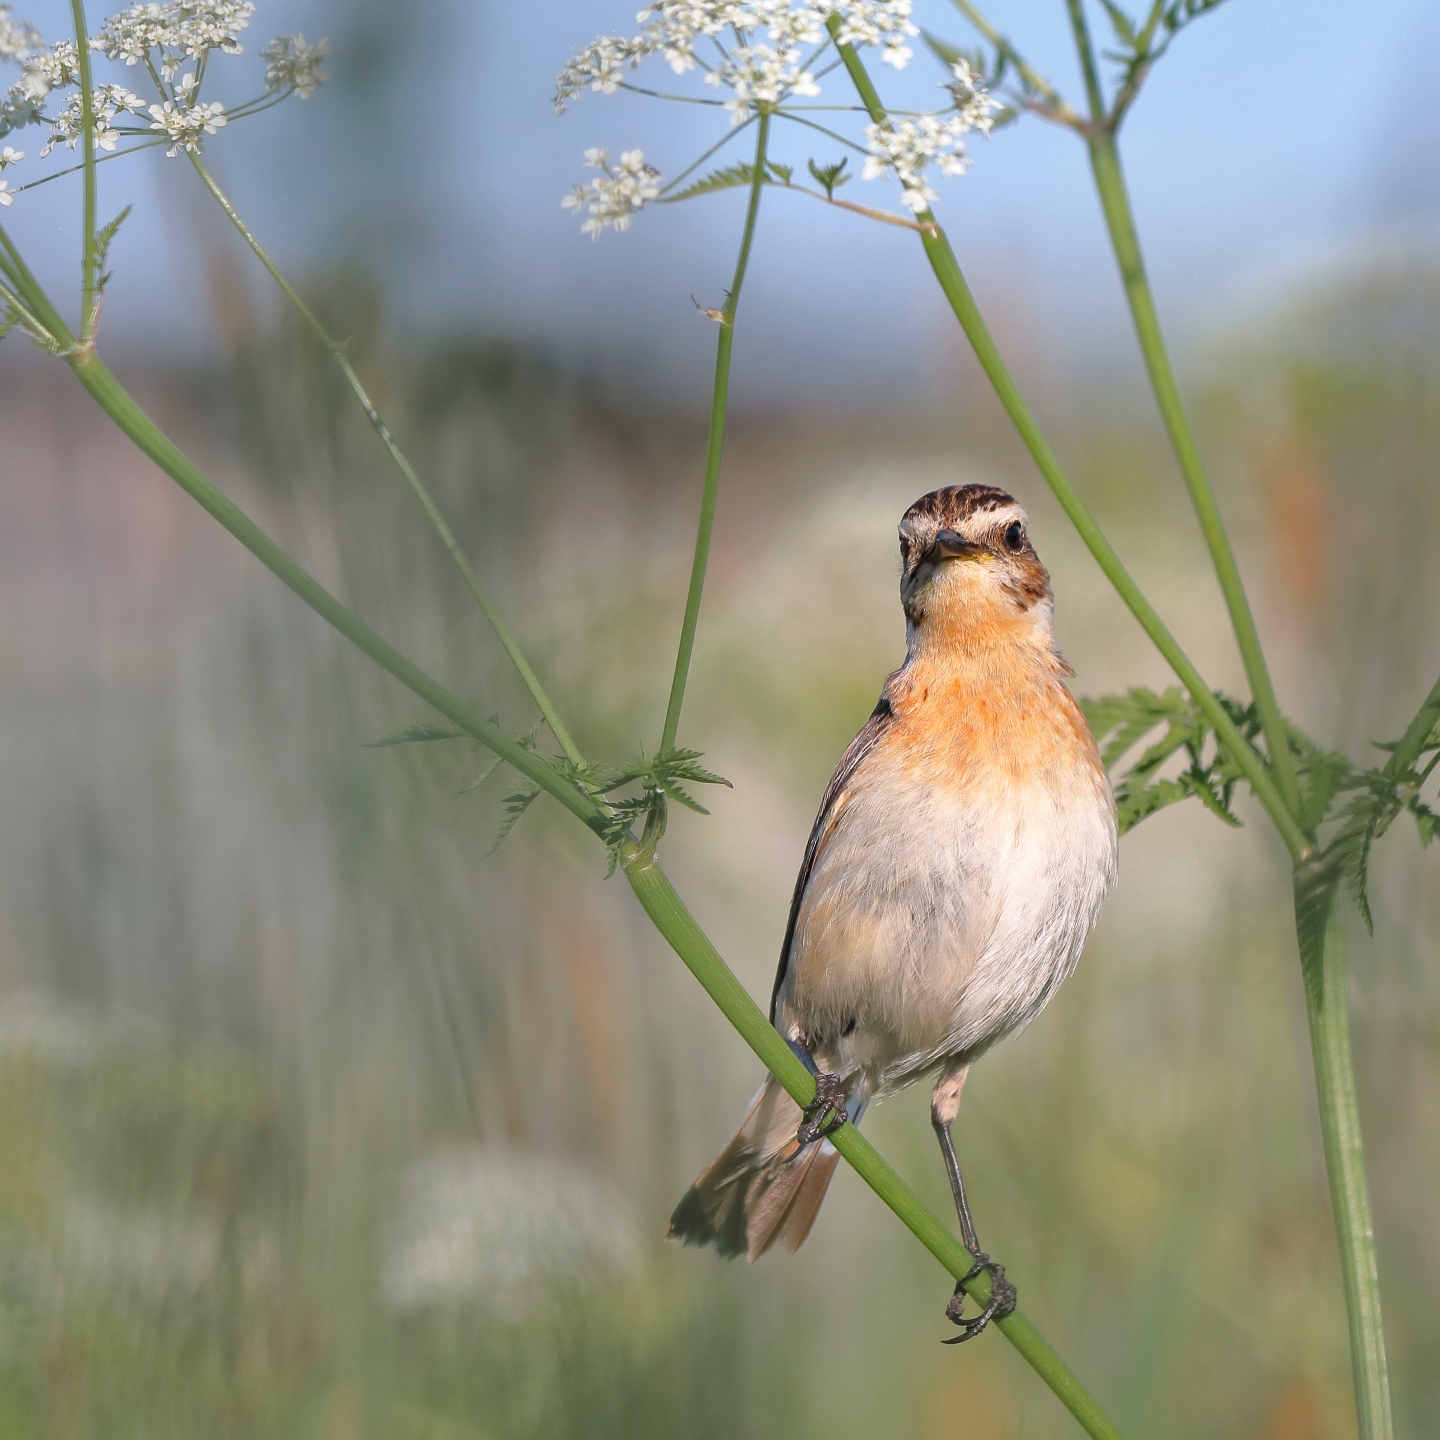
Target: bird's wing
{"type": "Point", "coordinates": [881, 719]}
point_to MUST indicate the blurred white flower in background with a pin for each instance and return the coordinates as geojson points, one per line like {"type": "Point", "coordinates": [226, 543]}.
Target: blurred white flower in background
{"type": "Point", "coordinates": [490, 1224]}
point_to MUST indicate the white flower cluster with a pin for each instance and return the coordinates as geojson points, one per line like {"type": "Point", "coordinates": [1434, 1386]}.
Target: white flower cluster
{"type": "Point", "coordinates": [19, 40]}
{"type": "Point", "coordinates": [178, 31]}
{"type": "Point", "coordinates": [910, 146]}
{"type": "Point", "coordinates": [614, 197]}
{"type": "Point", "coordinates": [185, 124]}
{"type": "Point", "coordinates": [877, 23]}
{"type": "Point", "coordinates": [110, 101]}
{"type": "Point", "coordinates": [292, 64]}
{"type": "Point", "coordinates": [42, 70]}
{"type": "Point", "coordinates": [759, 71]}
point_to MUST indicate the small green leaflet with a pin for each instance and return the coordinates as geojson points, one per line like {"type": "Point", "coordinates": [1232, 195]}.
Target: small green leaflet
{"type": "Point", "coordinates": [413, 734]}
{"type": "Point", "coordinates": [1378, 796]}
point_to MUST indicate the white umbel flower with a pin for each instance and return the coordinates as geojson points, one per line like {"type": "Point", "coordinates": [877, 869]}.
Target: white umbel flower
{"type": "Point", "coordinates": [292, 64]}
{"type": "Point", "coordinates": [110, 101]}
{"type": "Point", "coordinates": [909, 147]}
{"type": "Point", "coordinates": [10, 156]}
{"type": "Point", "coordinates": [188, 29]}
{"type": "Point", "coordinates": [6, 198]}
{"type": "Point", "coordinates": [185, 124]}
{"type": "Point", "coordinates": [19, 39]}
{"type": "Point", "coordinates": [757, 51]}
{"type": "Point", "coordinates": [612, 200]}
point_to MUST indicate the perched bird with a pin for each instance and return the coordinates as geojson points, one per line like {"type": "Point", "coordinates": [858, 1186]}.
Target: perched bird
{"type": "Point", "coordinates": [960, 857]}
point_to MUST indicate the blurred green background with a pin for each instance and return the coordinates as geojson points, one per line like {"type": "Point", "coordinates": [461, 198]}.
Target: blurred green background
{"type": "Point", "coordinates": [318, 1120]}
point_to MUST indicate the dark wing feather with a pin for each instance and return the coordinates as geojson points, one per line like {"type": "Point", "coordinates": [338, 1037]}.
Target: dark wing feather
{"type": "Point", "coordinates": [881, 719]}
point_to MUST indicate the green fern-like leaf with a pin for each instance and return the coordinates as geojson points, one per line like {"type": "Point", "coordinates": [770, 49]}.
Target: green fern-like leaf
{"type": "Point", "coordinates": [728, 177]}
{"type": "Point", "coordinates": [515, 806]}
{"type": "Point", "coordinates": [414, 734]}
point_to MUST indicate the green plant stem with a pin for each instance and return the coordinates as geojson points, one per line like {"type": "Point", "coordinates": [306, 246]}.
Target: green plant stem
{"type": "Point", "coordinates": [1323, 962]}
{"type": "Point", "coordinates": [724, 344]}
{"type": "Point", "coordinates": [432, 511]}
{"type": "Point", "coordinates": [1093, 93]}
{"type": "Point", "coordinates": [957, 292]}
{"type": "Point", "coordinates": [1407, 752]}
{"type": "Point", "coordinates": [123, 410]}
{"type": "Point", "coordinates": [88, 256]}
{"type": "Point", "coordinates": [1125, 240]}
{"type": "Point", "coordinates": [1054, 101]}
{"type": "Point", "coordinates": [666, 909]}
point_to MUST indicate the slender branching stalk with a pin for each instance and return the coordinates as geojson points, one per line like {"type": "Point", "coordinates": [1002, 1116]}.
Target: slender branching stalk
{"type": "Point", "coordinates": [1125, 240]}
{"type": "Point", "coordinates": [336, 350]}
{"type": "Point", "coordinates": [1323, 964]}
{"type": "Point", "coordinates": [89, 258]}
{"type": "Point", "coordinates": [957, 292]}
{"type": "Point", "coordinates": [724, 345]}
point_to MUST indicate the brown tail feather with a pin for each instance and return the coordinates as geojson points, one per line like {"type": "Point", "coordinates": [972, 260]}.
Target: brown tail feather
{"type": "Point", "coordinates": [763, 1187]}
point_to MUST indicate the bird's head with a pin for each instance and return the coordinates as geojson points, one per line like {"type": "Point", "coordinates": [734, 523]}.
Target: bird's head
{"type": "Point", "coordinates": [968, 569]}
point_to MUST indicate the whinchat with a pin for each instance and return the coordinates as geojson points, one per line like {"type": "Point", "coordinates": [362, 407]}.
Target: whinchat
{"type": "Point", "coordinates": [960, 857]}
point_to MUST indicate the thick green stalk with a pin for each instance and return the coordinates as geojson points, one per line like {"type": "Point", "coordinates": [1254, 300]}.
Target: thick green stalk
{"type": "Point", "coordinates": [88, 257]}
{"type": "Point", "coordinates": [112, 398]}
{"type": "Point", "coordinates": [957, 292]}
{"type": "Point", "coordinates": [1125, 240]}
{"type": "Point", "coordinates": [678, 926]}
{"type": "Point", "coordinates": [1323, 961]}
{"type": "Point", "coordinates": [432, 511]}
{"type": "Point", "coordinates": [724, 344]}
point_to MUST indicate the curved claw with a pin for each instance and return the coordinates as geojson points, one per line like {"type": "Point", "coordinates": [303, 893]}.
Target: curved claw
{"type": "Point", "coordinates": [829, 1099]}
{"type": "Point", "coordinates": [1003, 1298]}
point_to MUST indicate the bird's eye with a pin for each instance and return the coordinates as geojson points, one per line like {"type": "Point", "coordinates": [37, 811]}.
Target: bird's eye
{"type": "Point", "coordinates": [1015, 536]}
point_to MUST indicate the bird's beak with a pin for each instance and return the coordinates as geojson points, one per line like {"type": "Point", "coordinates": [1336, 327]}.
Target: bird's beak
{"type": "Point", "coordinates": [950, 545]}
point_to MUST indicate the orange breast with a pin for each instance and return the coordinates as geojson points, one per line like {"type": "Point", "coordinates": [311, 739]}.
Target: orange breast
{"type": "Point", "coordinates": [998, 715]}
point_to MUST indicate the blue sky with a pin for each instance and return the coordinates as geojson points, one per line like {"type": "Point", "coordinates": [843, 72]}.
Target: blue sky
{"type": "Point", "coordinates": [1277, 143]}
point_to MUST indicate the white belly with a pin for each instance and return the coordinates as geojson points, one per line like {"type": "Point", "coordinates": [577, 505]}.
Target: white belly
{"type": "Point", "coordinates": [934, 923]}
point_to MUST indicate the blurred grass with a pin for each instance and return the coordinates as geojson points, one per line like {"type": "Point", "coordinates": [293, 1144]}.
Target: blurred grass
{"type": "Point", "coordinates": [318, 1122]}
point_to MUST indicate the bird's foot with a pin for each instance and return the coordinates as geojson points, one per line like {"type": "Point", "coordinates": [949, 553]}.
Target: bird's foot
{"type": "Point", "coordinates": [829, 1100]}
{"type": "Point", "coordinates": [1001, 1302]}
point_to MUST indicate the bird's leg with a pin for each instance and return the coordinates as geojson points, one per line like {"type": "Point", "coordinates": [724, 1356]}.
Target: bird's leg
{"type": "Point", "coordinates": [943, 1109]}
{"type": "Point", "coordinates": [829, 1100]}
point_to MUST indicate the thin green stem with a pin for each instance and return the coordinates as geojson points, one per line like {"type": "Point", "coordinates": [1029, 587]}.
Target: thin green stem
{"type": "Point", "coordinates": [89, 260]}
{"type": "Point", "coordinates": [1125, 240]}
{"type": "Point", "coordinates": [30, 291]}
{"type": "Point", "coordinates": [957, 292]}
{"type": "Point", "coordinates": [1407, 752]}
{"type": "Point", "coordinates": [1091, 71]}
{"type": "Point", "coordinates": [1323, 961]}
{"type": "Point", "coordinates": [678, 926]}
{"type": "Point", "coordinates": [1031, 77]}
{"type": "Point", "coordinates": [432, 511]}
{"type": "Point", "coordinates": [715, 444]}
{"type": "Point", "coordinates": [118, 405]}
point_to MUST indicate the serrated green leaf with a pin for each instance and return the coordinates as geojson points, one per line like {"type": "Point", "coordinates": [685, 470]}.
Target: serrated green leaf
{"type": "Point", "coordinates": [102, 245]}
{"type": "Point", "coordinates": [728, 177]}
{"type": "Point", "coordinates": [487, 769]}
{"type": "Point", "coordinates": [413, 734]}
{"type": "Point", "coordinates": [1124, 27]}
{"type": "Point", "coordinates": [515, 806]}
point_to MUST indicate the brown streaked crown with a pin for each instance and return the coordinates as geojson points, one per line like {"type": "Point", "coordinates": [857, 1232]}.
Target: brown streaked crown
{"type": "Point", "coordinates": [945, 509]}
{"type": "Point", "coordinates": [985, 516]}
